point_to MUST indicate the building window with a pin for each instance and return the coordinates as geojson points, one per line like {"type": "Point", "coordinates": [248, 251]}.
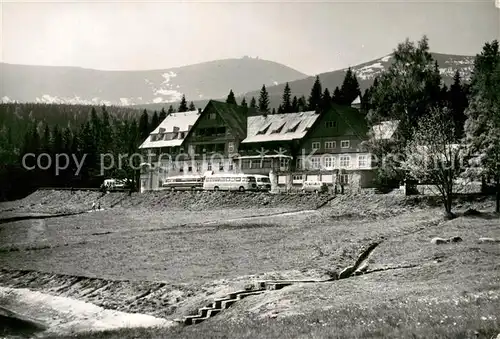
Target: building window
{"type": "Point", "coordinates": [362, 160]}
{"type": "Point", "coordinates": [190, 168]}
{"type": "Point", "coordinates": [299, 163]}
{"type": "Point", "coordinates": [212, 116]}
{"type": "Point", "coordinates": [345, 161]}
{"type": "Point", "coordinates": [329, 162]}
{"type": "Point", "coordinates": [316, 163]}
{"type": "Point", "coordinates": [221, 166]}
{"type": "Point", "coordinates": [209, 166]}
{"type": "Point", "coordinates": [343, 179]}
{"type": "Point", "coordinates": [283, 162]}
{"type": "Point", "coordinates": [231, 165]}
{"type": "Point", "coordinates": [230, 147]}
{"type": "Point", "coordinates": [344, 144]}
{"type": "Point", "coordinates": [330, 145]}
{"type": "Point", "coordinates": [330, 124]}
{"type": "Point", "coordinates": [315, 145]}
{"type": "Point", "coordinates": [198, 167]}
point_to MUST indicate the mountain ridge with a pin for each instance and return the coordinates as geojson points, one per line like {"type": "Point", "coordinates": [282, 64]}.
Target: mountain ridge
{"type": "Point", "coordinates": [214, 79]}
{"type": "Point", "coordinates": [70, 84]}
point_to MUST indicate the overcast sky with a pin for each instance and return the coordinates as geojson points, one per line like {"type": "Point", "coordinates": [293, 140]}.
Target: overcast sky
{"type": "Point", "coordinates": [312, 37]}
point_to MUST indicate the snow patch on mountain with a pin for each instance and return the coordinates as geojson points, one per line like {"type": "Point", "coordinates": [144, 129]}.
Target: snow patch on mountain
{"type": "Point", "coordinates": [6, 100]}
{"type": "Point", "coordinates": [76, 100]}
{"type": "Point", "coordinates": [125, 101]}
{"type": "Point", "coordinates": [369, 71]}
{"type": "Point", "coordinates": [168, 76]}
{"type": "Point", "coordinates": [386, 58]}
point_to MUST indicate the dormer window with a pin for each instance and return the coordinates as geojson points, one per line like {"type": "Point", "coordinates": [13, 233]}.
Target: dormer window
{"type": "Point", "coordinates": [264, 131]}
{"type": "Point", "coordinates": [294, 128]}
{"type": "Point", "coordinates": [212, 116]}
{"type": "Point", "coordinates": [278, 130]}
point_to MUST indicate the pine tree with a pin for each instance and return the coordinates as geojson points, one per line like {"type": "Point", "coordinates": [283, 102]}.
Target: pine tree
{"type": "Point", "coordinates": [295, 104]}
{"type": "Point", "coordinates": [107, 132]}
{"type": "Point", "coordinates": [88, 147]}
{"type": "Point", "coordinates": [280, 109]}
{"type": "Point", "coordinates": [253, 103]}
{"type": "Point", "coordinates": [315, 96]}
{"type": "Point", "coordinates": [243, 102]}
{"type": "Point", "coordinates": [264, 100]}
{"type": "Point", "coordinates": [67, 138]}
{"type": "Point", "coordinates": [273, 111]}
{"type": "Point", "coordinates": [163, 115]}
{"type": "Point", "coordinates": [56, 142]}
{"type": "Point", "coordinates": [192, 107]}
{"type": "Point", "coordinates": [183, 105]}
{"type": "Point", "coordinates": [349, 89]}
{"type": "Point", "coordinates": [230, 98]}
{"type": "Point", "coordinates": [337, 96]}
{"type": "Point", "coordinates": [170, 111]}
{"type": "Point", "coordinates": [144, 125]}
{"type": "Point", "coordinates": [458, 102]}
{"type": "Point", "coordinates": [482, 127]}
{"type": "Point", "coordinates": [155, 121]}
{"type": "Point", "coordinates": [45, 141]}
{"type": "Point", "coordinates": [95, 125]}
{"type": "Point", "coordinates": [326, 101]}
{"type": "Point", "coordinates": [365, 100]}
{"type": "Point", "coordinates": [302, 104]}
{"type": "Point", "coordinates": [286, 103]}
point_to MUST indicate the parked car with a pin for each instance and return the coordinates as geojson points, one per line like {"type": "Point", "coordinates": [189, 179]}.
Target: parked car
{"type": "Point", "coordinates": [314, 187]}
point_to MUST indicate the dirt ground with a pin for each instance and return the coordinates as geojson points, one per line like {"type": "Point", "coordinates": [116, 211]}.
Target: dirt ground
{"type": "Point", "coordinates": [178, 260]}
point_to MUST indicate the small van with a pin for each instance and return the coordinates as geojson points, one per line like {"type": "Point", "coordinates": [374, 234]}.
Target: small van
{"type": "Point", "coordinates": [263, 182]}
{"type": "Point", "coordinates": [314, 186]}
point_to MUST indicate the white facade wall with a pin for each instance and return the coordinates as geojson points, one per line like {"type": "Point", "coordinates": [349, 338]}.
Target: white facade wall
{"type": "Point", "coordinates": [325, 162]}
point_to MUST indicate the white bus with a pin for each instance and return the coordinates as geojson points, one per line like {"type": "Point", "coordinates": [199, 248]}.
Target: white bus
{"type": "Point", "coordinates": [114, 184]}
{"type": "Point", "coordinates": [230, 182]}
{"type": "Point", "coordinates": [183, 182]}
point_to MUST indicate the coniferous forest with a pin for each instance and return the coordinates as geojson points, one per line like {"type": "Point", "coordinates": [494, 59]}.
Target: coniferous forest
{"type": "Point", "coordinates": [409, 91]}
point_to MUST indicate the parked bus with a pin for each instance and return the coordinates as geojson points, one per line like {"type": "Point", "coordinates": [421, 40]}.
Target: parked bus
{"type": "Point", "coordinates": [183, 182]}
{"type": "Point", "coordinates": [115, 184]}
{"type": "Point", "coordinates": [230, 182]}
{"type": "Point", "coordinates": [263, 182]}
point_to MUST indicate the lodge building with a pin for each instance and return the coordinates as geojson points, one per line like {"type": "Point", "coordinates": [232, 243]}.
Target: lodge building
{"type": "Point", "coordinates": [295, 147]}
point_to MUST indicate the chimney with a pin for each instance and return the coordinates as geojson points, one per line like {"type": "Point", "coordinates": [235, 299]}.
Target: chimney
{"type": "Point", "coordinates": [199, 110]}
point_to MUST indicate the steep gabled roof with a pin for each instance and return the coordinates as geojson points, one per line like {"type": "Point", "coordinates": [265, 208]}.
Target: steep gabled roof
{"type": "Point", "coordinates": [233, 115]}
{"type": "Point", "coordinates": [180, 121]}
{"type": "Point", "coordinates": [279, 127]}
